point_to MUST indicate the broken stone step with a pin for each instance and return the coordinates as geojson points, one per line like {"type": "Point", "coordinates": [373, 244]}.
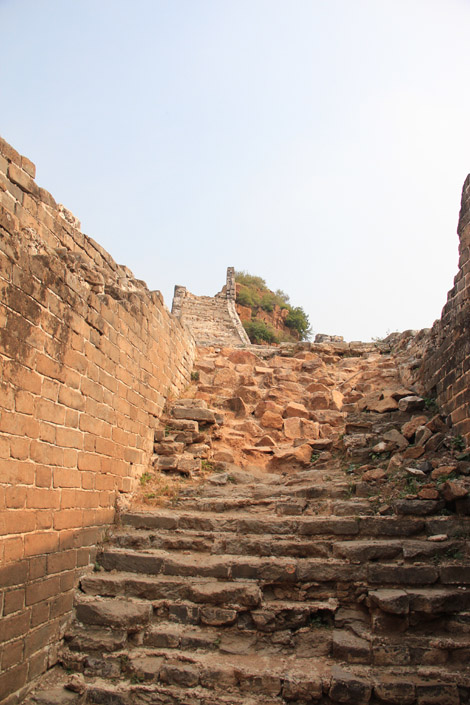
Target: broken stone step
{"type": "Point", "coordinates": [410, 649]}
{"type": "Point", "coordinates": [271, 618]}
{"type": "Point", "coordinates": [307, 490]}
{"type": "Point", "coordinates": [283, 505]}
{"type": "Point", "coordinates": [242, 673]}
{"type": "Point", "coordinates": [420, 574]}
{"type": "Point", "coordinates": [195, 414]}
{"type": "Point", "coordinates": [305, 641]}
{"type": "Point", "coordinates": [222, 498]}
{"type": "Point", "coordinates": [168, 447]}
{"type": "Point", "coordinates": [274, 569]}
{"type": "Point", "coordinates": [242, 523]}
{"type": "Point", "coordinates": [124, 614]}
{"type": "Point", "coordinates": [220, 543]}
{"type": "Point", "coordinates": [280, 615]}
{"type": "Point", "coordinates": [349, 647]}
{"type": "Point", "coordinates": [358, 551]}
{"type": "Point", "coordinates": [226, 504]}
{"type": "Point", "coordinates": [171, 426]}
{"type": "Point", "coordinates": [352, 507]}
{"type": "Point", "coordinates": [348, 685]}
{"type": "Point", "coordinates": [79, 637]}
{"type": "Point", "coordinates": [272, 613]}
{"type": "Point", "coordinates": [154, 676]}
{"type": "Point", "coordinates": [361, 685]}
{"type": "Point", "coordinates": [204, 602]}
{"type": "Point", "coordinates": [100, 692]}
{"type": "Point", "coordinates": [392, 574]}
{"type": "Point", "coordinates": [453, 526]}
{"type": "Point", "coordinates": [458, 623]}
{"type": "Point", "coordinates": [271, 492]}
{"type": "Point", "coordinates": [55, 695]}
{"type": "Point", "coordinates": [171, 635]}
{"type": "Point", "coordinates": [239, 674]}
{"type": "Point", "coordinates": [337, 490]}
{"type": "Point", "coordinates": [162, 587]}
{"type": "Point", "coordinates": [429, 600]}
{"type": "Point", "coordinates": [402, 649]}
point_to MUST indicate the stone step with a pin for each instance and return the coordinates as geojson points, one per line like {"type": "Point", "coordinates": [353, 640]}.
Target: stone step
{"type": "Point", "coordinates": [354, 550]}
{"type": "Point", "coordinates": [228, 504]}
{"type": "Point", "coordinates": [125, 614]}
{"type": "Point", "coordinates": [272, 617]}
{"type": "Point", "coordinates": [243, 524]}
{"type": "Point", "coordinates": [98, 691]}
{"type": "Point", "coordinates": [54, 695]}
{"type": "Point", "coordinates": [197, 602]}
{"type": "Point", "coordinates": [231, 594]}
{"type": "Point", "coordinates": [282, 570]}
{"type": "Point", "coordinates": [332, 490]}
{"type": "Point", "coordinates": [283, 505]}
{"type": "Point", "coordinates": [397, 685]}
{"type": "Point", "coordinates": [434, 648]}
{"type": "Point", "coordinates": [348, 685]}
{"type": "Point", "coordinates": [243, 675]}
{"type": "Point", "coordinates": [145, 675]}
{"type": "Point", "coordinates": [436, 600]}
{"type": "Point", "coordinates": [363, 550]}
{"type": "Point", "coordinates": [101, 692]}
{"type": "Point", "coordinates": [309, 641]}
{"type": "Point", "coordinates": [88, 638]}
{"type": "Point", "coordinates": [230, 567]}
{"type": "Point", "coordinates": [304, 642]}
{"type": "Point", "coordinates": [221, 543]}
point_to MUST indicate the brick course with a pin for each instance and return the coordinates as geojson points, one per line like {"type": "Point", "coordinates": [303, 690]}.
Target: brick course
{"type": "Point", "coordinates": [88, 356]}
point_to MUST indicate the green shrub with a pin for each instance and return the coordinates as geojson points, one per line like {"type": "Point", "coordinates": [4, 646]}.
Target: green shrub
{"type": "Point", "coordinates": [248, 296]}
{"type": "Point", "coordinates": [259, 332]}
{"type": "Point", "coordinates": [250, 280]}
{"type": "Point", "coordinates": [298, 320]}
{"type": "Point", "coordinates": [268, 302]}
{"type": "Point", "coordinates": [244, 297]}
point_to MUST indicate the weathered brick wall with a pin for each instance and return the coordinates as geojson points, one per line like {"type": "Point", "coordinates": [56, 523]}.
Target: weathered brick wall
{"type": "Point", "coordinates": [88, 356]}
{"type": "Point", "coordinates": [445, 370]}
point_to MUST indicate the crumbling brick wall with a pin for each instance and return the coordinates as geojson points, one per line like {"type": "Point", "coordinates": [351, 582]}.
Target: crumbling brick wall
{"type": "Point", "coordinates": [445, 369]}
{"type": "Point", "coordinates": [88, 356]}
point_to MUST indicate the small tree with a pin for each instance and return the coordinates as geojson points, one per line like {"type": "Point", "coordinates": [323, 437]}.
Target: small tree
{"type": "Point", "coordinates": [298, 320]}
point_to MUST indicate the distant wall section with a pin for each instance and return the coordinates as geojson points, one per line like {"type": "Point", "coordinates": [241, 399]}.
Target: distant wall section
{"type": "Point", "coordinates": [88, 356]}
{"type": "Point", "coordinates": [213, 320]}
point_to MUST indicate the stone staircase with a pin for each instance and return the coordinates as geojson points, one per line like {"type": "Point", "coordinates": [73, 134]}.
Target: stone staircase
{"type": "Point", "coordinates": [213, 320]}
{"type": "Point", "coordinates": [338, 578]}
{"type": "Point", "coordinates": [205, 605]}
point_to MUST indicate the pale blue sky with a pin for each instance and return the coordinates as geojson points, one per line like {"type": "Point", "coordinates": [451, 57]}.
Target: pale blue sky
{"type": "Point", "coordinates": [321, 144]}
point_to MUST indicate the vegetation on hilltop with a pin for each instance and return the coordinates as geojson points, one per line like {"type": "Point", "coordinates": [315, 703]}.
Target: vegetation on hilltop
{"type": "Point", "coordinates": [253, 292]}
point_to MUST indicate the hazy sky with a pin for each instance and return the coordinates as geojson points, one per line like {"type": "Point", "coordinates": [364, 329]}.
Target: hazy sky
{"type": "Point", "coordinates": [320, 144]}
